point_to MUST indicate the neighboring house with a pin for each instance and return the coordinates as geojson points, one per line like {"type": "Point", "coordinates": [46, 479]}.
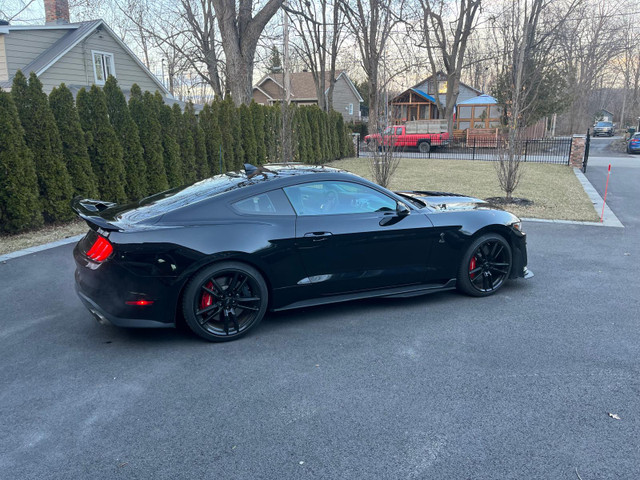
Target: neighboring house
{"type": "Point", "coordinates": [419, 102]}
{"type": "Point", "coordinates": [603, 115]}
{"type": "Point", "coordinates": [346, 99]}
{"type": "Point", "coordinates": [77, 54]}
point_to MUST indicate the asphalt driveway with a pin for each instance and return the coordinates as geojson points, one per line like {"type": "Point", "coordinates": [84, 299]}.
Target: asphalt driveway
{"type": "Point", "coordinates": [518, 385]}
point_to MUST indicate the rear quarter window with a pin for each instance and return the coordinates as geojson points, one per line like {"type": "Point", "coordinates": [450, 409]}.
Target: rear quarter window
{"type": "Point", "coordinates": [268, 203]}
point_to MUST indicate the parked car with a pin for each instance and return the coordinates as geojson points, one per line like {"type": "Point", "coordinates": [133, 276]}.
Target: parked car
{"type": "Point", "coordinates": [223, 251]}
{"type": "Point", "coordinates": [603, 128]}
{"type": "Point", "coordinates": [421, 134]}
{"type": "Point", "coordinates": [633, 146]}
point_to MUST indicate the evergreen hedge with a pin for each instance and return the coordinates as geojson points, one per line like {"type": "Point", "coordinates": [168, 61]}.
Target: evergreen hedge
{"type": "Point", "coordinates": [103, 147]}
{"type": "Point", "coordinates": [126, 129]}
{"type": "Point", "coordinates": [171, 149]}
{"type": "Point", "coordinates": [43, 139]}
{"type": "Point", "coordinates": [19, 204]}
{"type": "Point", "coordinates": [74, 146]}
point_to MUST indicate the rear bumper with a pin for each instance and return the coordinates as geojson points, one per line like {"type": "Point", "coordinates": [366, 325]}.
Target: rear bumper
{"type": "Point", "coordinates": [104, 318]}
{"type": "Point", "coordinates": [106, 288]}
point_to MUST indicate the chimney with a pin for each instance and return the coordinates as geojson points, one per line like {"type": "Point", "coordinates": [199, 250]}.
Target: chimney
{"type": "Point", "coordinates": [56, 12]}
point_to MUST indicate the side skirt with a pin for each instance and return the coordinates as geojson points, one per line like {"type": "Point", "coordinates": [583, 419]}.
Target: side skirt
{"type": "Point", "coordinates": [396, 292]}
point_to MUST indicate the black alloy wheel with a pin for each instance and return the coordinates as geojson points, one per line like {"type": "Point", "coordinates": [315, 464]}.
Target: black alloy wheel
{"type": "Point", "coordinates": [486, 266]}
{"type": "Point", "coordinates": [224, 301]}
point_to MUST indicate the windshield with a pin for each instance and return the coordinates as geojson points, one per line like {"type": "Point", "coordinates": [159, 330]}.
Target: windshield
{"type": "Point", "coordinates": [388, 131]}
{"type": "Point", "coordinates": [604, 124]}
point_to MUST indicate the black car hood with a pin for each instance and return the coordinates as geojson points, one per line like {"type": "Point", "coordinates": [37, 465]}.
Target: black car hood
{"type": "Point", "coordinates": [444, 201]}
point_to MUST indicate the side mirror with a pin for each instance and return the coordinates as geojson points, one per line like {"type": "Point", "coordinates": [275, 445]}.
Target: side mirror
{"type": "Point", "coordinates": [402, 210]}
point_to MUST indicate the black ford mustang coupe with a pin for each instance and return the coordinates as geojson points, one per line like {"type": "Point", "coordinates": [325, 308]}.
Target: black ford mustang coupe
{"type": "Point", "coordinates": [222, 251]}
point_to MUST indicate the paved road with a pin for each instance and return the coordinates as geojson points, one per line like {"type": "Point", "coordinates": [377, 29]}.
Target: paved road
{"type": "Point", "coordinates": [606, 147]}
{"type": "Point", "coordinates": [518, 385]}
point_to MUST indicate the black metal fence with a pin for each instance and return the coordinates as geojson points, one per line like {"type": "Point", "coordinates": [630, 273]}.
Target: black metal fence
{"type": "Point", "coordinates": [544, 150]}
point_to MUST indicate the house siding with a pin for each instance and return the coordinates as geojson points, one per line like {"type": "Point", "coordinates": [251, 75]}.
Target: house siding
{"type": "Point", "coordinates": [260, 97]}
{"type": "Point", "coordinates": [465, 92]}
{"type": "Point", "coordinates": [24, 46]}
{"type": "Point", "coordinates": [4, 72]}
{"type": "Point", "coordinates": [343, 95]}
{"type": "Point", "coordinates": [76, 67]}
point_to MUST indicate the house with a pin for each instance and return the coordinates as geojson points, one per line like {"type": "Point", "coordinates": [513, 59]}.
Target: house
{"type": "Point", "coordinates": [346, 99]}
{"type": "Point", "coordinates": [419, 102]}
{"type": "Point", "coordinates": [603, 115]}
{"type": "Point", "coordinates": [77, 54]}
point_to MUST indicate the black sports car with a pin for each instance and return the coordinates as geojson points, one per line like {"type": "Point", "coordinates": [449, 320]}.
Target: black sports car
{"type": "Point", "coordinates": [222, 251]}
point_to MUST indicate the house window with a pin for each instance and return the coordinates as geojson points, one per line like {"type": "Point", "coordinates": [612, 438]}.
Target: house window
{"type": "Point", "coordinates": [103, 66]}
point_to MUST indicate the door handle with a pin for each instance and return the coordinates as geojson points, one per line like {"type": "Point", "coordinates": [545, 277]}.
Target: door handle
{"type": "Point", "coordinates": [318, 236]}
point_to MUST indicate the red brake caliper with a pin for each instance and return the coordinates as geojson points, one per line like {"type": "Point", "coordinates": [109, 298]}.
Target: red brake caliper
{"type": "Point", "coordinates": [206, 300]}
{"type": "Point", "coordinates": [472, 265]}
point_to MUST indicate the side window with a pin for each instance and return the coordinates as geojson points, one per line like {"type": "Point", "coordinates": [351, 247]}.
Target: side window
{"type": "Point", "coordinates": [337, 198]}
{"type": "Point", "coordinates": [270, 203]}
{"type": "Point", "coordinates": [398, 131]}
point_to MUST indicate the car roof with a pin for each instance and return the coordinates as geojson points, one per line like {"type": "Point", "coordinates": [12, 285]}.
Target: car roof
{"type": "Point", "coordinates": [231, 185]}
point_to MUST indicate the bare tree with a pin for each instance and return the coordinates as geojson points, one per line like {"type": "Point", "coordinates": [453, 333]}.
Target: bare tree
{"type": "Point", "coordinates": [384, 160]}
{"type": "Point", "coordinates": [241, 30]}
{"type": "Point", "coordinates": [319, 43]}
{"type": "Point", "coordinates": [590, 42]}
{"type": "Point", "coordinates": [190, 41]}
{"type": "Point", "coordinates": [447, 39]}
{"type": "Point", "coordinates": [371, 23]}
{"type": "Point", "coordinates": [529, 48]}
{"type": "Point", "coordinates": [13, 10]}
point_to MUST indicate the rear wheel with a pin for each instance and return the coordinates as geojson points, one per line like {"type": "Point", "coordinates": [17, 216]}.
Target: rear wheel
{"type": "Point", "coordinates": [224, 301]}
{"type": "Point", "coordinates": [424, 147]}
{"type": "Point", "coordinates": [485, 266]}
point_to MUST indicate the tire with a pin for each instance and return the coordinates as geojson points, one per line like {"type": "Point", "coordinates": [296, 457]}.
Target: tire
{"type": "Point", "coordinates": [485, 266]}
{"type": "Point", "coordinates": [217, 314]}
{"type": "Point", "coordinates": [424, 147]}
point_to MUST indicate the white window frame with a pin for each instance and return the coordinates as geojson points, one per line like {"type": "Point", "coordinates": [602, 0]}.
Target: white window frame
{"type": "Point", "coordinates": [351, 109]}
{"type": "Point", "coordinates": [112, 66]}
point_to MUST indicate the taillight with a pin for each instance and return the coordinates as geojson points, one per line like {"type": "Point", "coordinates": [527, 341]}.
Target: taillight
{"type": "Point", "coordinates": [100, 250]}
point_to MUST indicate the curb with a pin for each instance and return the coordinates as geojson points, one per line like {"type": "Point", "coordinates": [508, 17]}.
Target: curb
{"type": "Point", "coordinates": [40, 248]}
{"type": "Point", "coordinates": [610, 219]}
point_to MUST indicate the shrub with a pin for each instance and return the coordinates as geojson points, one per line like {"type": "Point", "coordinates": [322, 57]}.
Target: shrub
{"type": "Point", "coordinates": [105, 151]}
{"type": "Point", "coordinates": [199, 147]}
{"type": "Point", "coordinates": [43, 139]}
{"type": "Point", "coordinates": [171, 150]}
{"type": "Point", "coordinates": [248, 137]}
{"type": "Point", "coordinates": [145, 114]}
{"type": "Point", "coordinates": [185, 142]}
{"type": "Point", "coordinates": [74, 147]}
{"type": "Point", "coordinates": [19, 205]}
{"type": "Point", "coordinates": [127, 133]}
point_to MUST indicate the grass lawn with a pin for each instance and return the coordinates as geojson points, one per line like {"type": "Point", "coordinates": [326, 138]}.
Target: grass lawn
{"type": "Point", "coordinates": [554, 189]}
{"type": "Point", "coordinates": [11, 243]}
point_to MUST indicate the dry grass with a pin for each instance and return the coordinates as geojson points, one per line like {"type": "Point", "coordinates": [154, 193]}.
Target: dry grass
{"type": "Point", "coordinates": [11, 243]}
{"type": "Point", "coordinates": [554, 189]}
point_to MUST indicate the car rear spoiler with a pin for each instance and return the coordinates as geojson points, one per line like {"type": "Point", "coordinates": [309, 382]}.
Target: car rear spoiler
{"type": "Point", "coordinates": [89, 210]}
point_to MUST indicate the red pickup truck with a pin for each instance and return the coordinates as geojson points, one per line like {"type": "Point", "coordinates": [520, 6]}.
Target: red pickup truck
{"type": "Point", "coordinates": [417, 137]}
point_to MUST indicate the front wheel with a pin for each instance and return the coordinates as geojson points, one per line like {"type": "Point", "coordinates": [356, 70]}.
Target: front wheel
{"type": "Point", "coordinates": [224, 301]}
{"type": "Point", "coordinates": [485, 266]}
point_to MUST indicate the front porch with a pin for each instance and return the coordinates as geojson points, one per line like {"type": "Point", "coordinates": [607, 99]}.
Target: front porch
{"type": "Point", "coordinates": [413, 104]}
